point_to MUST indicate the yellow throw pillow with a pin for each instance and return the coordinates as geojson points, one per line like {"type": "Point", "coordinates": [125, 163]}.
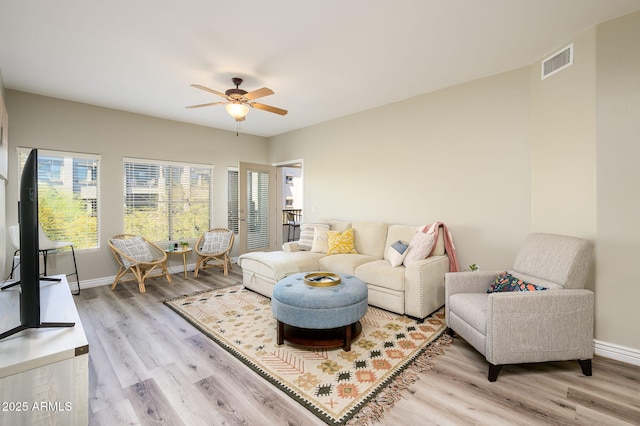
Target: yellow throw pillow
{"type": "Point", "coordinates": [341, 243]}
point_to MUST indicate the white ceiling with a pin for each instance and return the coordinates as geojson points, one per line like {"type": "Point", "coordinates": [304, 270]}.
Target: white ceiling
{"type": "Point", "coordinates": [323, 59]}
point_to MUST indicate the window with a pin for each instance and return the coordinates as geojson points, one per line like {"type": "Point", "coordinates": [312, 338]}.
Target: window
{"type": "Point", "coordinates": [68, 195]}
{"type": "Point", "coordinates": [166, 201]}
{"type": "Point", "coordinates": [232, 196]}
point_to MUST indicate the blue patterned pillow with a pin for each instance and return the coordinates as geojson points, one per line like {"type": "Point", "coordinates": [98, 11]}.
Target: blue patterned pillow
{"type": "Point", "coordinates": [507, 282]}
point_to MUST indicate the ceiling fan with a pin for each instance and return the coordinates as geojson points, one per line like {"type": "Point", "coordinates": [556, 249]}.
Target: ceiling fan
{"type": "Point", "coordinates": [238, 100]}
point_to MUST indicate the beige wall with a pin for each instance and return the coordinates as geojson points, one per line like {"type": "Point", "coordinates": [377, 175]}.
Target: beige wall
{"type": "Point", "coordinates": [618, 182]}
{"type": "Point", "coordinates": [563, 144]}
{"type": "Point", "coordinates": [41, 122]}
{"type": "Point", "coordinates": [586, 144]}
{"type": "Point", "coordinates": [460, 155]}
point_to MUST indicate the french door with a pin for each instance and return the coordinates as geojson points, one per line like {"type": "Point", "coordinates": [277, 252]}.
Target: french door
{"type": "Point", "coordinates": [257, 207]}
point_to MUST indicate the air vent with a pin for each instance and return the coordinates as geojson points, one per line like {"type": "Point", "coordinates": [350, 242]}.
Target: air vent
{"type": "Point", "coordinates": [557, 62]}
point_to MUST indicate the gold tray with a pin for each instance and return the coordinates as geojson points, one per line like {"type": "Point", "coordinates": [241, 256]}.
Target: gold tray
{"type": "Point", "coordinates": [322, 279]}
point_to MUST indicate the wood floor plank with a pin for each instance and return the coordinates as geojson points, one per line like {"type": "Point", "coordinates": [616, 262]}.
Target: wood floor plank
{"type": "Point", "coordinates": [192, 406]}
{"type": "Point", "coordinates": [151, 404]}
{"type": "Point", "coordinates": [123, 358]}
{"type": "Point", "coordinates": [121, 413]}
{"type": "Point", "coordinates": [148, 365]}
{"type": "Point", "coordinates": [585, 416]}
{"type": "Point", "coordinates": [605, 404]}
{"type": "Point", "coordinates": [105, 389]}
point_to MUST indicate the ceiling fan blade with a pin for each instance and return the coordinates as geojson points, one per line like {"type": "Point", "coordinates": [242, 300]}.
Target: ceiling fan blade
{"type": "Point", "coordinates": [204, 105]}
{"type": "Point", "coordinates": [259, 93]}
{"type": "Point", "coordinates": [269, 108]}
{"type": "Point", "coordinates": [206, 89]}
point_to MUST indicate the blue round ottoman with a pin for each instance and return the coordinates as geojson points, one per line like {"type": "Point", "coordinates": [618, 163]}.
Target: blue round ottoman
{"type": "Point", "coordinates": [322, 317]}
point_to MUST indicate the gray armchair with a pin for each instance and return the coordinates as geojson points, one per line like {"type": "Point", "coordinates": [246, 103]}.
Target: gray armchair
{"type": "Point", "coordinates": [555, 324]}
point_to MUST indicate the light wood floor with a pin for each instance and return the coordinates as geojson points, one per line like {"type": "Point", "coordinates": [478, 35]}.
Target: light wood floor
{"type": "Point", "coordinates": [149, 366]}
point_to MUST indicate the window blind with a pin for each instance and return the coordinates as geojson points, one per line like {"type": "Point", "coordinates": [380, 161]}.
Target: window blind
{"type": "Point", "coordinates": [68, 195]}
{"type": "Point", "coordinates": [166, 201]}
{"type": "Point", "coordinates": [232, 199]}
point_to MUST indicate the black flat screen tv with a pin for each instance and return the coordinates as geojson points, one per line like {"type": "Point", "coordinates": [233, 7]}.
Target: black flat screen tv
{"type": "Point", "coordinates": [29, 248]}
{"type": "Point", "coordinates": [30, 252]}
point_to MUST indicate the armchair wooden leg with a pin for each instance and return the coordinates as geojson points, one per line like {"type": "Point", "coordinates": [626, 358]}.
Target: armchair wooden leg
{"type": "Point", "coordinates": [166, 273]}
{"type": "Point", "coordinates": [494, 370]}
{"type": "Point", "coordinates": [140, 274]}
{"type": "Point", "coordinates": [585, 364]}
{"type": "Point", "coordinates": [197, 268]}
{"type": "Point", "coordinates": [450, 331]}
{"type": "Point", "coordinates": [120, 274]}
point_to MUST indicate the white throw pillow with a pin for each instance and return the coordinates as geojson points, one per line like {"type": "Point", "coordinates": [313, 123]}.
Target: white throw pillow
{"type": "Point", "coordinates": [320, 240]}
{"type": "Point", "coordinates": [216, 242]}
{"type": "Point", "coordinates": [134, 247]}
{"type": "Point", "coordinates": [307, 230]}
{"type": "Point", "coordinates": [396, 253]}
{"type": "Point", "coordinates": [420, 247]}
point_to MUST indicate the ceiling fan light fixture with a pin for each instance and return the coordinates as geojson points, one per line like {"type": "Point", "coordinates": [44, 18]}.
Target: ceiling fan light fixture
{"type": "Point", "coordinates": [237, 110]}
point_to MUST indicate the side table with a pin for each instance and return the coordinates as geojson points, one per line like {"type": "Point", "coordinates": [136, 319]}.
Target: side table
{"type": "Point", "coordinates": [183, 252]}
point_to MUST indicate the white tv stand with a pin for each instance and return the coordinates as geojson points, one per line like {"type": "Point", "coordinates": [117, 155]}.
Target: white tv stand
{"type": "Point", "coordinates": [44, 372]}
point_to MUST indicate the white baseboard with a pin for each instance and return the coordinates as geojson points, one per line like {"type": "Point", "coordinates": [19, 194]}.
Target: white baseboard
{"type": "Point", "coordinates": [617, 352]}
{"type": "Point", "coordinates": [97, 282]}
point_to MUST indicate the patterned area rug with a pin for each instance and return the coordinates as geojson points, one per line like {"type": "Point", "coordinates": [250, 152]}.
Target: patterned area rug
{"type": "Point", "coordinates": [339, 387]}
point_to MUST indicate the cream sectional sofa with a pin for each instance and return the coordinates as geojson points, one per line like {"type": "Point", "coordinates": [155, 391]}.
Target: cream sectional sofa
{"type": "Point", "coordinates": [415, 290]}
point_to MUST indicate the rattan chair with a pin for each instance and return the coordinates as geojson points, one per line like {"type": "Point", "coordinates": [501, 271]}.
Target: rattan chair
{"type": "Point", "coordinates": [215, 245]}
{"type": "Point", "coordinates": [138, 256]}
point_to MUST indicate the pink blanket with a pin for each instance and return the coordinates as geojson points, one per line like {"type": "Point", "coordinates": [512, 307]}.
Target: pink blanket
{"type": "Point", "coordinates": [434, 228]}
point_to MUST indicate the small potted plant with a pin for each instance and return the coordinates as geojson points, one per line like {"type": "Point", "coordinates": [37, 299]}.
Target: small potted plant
{"type": "Point", "coordinates": [184, 245]}
{"type": "Point", "coordinates": [473, 267]}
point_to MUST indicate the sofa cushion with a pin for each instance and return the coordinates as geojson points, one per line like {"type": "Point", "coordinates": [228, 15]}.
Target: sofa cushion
{"type": "Point", "coordinates": [395, 233]}
{"type": "Point", "coordinates": [396, 253]}
{"type": "Point", "coordinates": [507, 282]}
{"type": "Point", "coordinates": [339, 225]}
{"type": "Point", "coordinates": [341, 242]}
{"type": "Point", "coordinates": [382, 274]}
{"type": "Point", "coordinates": [471, 308]}
{"type": "Point", "coordinates": [370, 237]}
{"type": "Point", "coordinates": [344, 263]}
{"type": "Point", "coordinates": [307, 231]}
